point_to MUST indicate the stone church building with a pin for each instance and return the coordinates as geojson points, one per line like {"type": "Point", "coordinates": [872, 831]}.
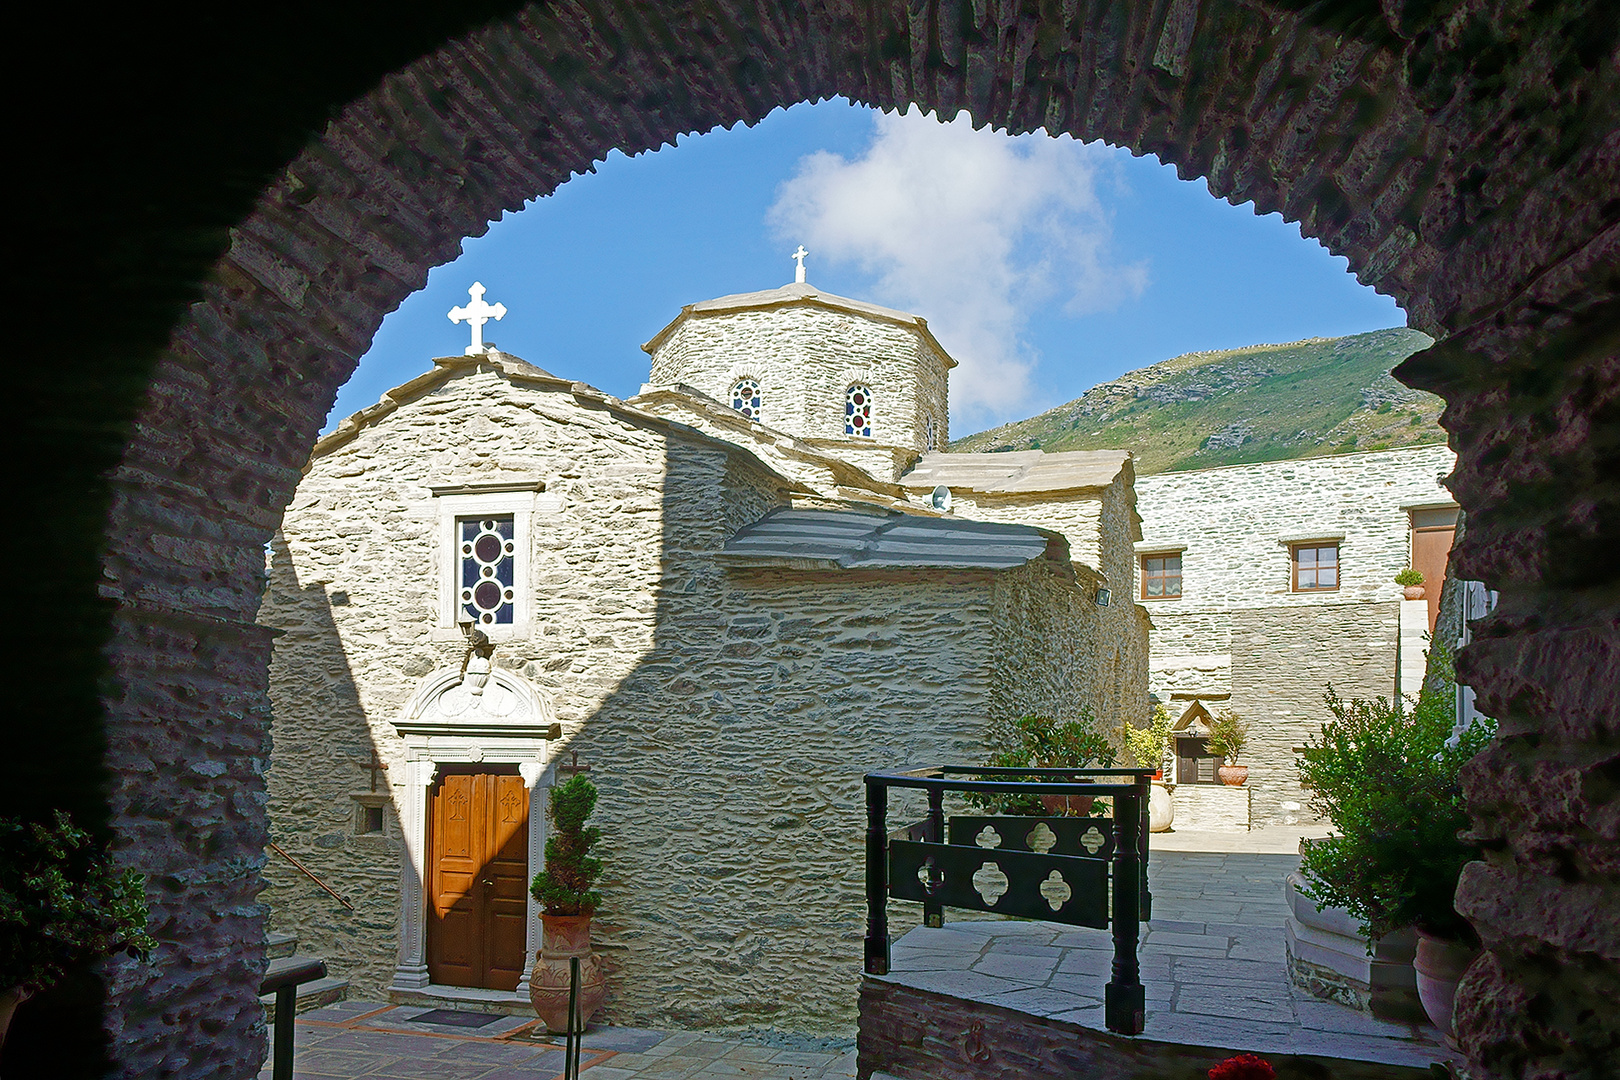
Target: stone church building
{"type": "Point", "coordinates": [728, 597]}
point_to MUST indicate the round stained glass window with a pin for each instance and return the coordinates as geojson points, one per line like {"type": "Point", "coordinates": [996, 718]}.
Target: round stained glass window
{"type": "Point", "coordinates": [745, 398]}
{"type": "Point", "coordinates": [858, 411]}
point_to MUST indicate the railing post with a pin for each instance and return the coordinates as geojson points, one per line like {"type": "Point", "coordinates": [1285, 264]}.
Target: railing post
{"type": "Point", "coordinates": [281, 1065]}
{"type": "Point", "coordinates": [1125, 1001]}
{"type": "Point", "coordinates": [877, 877]}
{"type": "Point", "coordinates": [1147, 802]}
{"type": "Point", "coordinates": [933, 909]}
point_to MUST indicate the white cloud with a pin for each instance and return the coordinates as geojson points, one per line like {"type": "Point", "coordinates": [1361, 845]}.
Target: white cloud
{"type": "Point", "coordinates": [973, 230]}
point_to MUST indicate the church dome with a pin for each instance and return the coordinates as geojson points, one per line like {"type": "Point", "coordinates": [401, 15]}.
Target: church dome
{"type": "Point", "coordinates": [825, 368]}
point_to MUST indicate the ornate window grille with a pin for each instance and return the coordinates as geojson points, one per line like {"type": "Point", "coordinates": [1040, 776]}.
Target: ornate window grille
{"type": "Point", "coordinates": [858, 411]}
{"type": "Point", "coordinates": [745, 398]}
{"type": "Point", "coordinates": [488, 553]}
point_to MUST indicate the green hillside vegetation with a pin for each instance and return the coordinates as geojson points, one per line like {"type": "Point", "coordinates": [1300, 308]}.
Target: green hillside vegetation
{"type": "Point", "coordinates": [1261, 403]}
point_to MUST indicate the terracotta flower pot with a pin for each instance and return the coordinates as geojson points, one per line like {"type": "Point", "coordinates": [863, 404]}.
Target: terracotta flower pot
{"type": "Point", "coordinates": [1440, 965]}
{"type": "Point", "coordinates": [9, 1000]}
{"type": "Point", "coordinates": [565, 936]}
{"type": "Point", "coordinates": [1413, 592]}
{"type": "Point", "coordinates": [1233, 775]}
{"type": "Point", "coordinates": [1072, 805]}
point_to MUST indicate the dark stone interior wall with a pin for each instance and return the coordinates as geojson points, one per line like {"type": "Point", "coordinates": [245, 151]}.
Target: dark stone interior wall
{"type": "Point", "coordinates": [1462, 154]}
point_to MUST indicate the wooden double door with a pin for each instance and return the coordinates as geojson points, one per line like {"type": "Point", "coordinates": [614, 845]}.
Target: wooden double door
{"type": "Point", "coordinates": [477, 879]}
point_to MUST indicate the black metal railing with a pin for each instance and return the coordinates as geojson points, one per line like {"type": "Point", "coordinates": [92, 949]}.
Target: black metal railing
{"type": "Point", "coordinates": [1054, 868]}
{"type": "Point", "coordinates": [283, 978]}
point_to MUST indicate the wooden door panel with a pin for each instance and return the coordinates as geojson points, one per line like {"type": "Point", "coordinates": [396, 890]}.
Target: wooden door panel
{"type": "Point", "coordinates": [478, 880]}
{"type": "Point", "coordinates": [1431, 551]}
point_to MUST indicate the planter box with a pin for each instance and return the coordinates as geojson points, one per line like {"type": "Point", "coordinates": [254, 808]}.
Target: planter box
{"type": "Point", "coordinates": [1328, 958]}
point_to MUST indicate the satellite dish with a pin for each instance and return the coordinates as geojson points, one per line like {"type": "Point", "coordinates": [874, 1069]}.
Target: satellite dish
{"type": "Point", "coordinates": [941, 498]}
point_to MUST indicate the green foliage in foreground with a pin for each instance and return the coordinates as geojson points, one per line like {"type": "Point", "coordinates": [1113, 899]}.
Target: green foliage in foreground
{"type": "Point", "coordinates": [1390, 784]}
{"type": "Point", "coordinates": [564, 886]}
{"type": "Point", "coordinates": [61, 903]}
{"type": "Point", "coordinates": [1040, 742]}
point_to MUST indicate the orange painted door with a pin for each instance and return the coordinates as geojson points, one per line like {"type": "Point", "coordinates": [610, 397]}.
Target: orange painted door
{"type": "Point", "coordinates": [1432, 534]}
{"type": "Point", "coordinates": [478, 862]}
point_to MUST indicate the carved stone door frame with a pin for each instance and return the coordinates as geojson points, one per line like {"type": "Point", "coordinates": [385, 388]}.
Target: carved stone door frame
{"type": "Point", "coordinates": [495, 718]}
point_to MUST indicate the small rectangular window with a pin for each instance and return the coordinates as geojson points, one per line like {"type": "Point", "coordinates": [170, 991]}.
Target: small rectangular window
{"type": "Point", "coordinates": [1161, 576]}
{"type": "Point", "coordinates": [487, 550]}
{"type": "Point", "coordinates": [1316, 567]}
{"type": "Point", "coordinates": [373, 822]}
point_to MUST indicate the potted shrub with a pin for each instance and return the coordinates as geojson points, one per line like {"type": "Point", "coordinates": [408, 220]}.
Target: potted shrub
{"type": "Point", "coordinates": [61, 903]}
{"type": "Point", "coordinates": [1228, 735]}
{"type": "Point", "coordinates": [567, 899]}
{"type": "Point", "coordinates": [1390, 782]}
{"type": "Point", "coordinates": [1145, 747]}
{"type": "Point", "coordinates": [1412, 582]}
{"type": "Point", "coordinates": [1042, 742]}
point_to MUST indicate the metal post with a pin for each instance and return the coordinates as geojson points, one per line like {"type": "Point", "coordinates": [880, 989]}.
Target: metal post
{"type": "Point", "coordinates": [281, 1067]}
{"type": "Point", "coordinates": [933, 910]}
{"type": "Point", "coordinates": [1125, 1001]}
{"type": "Point", "coordinates": [877, 877]}
{"type": "Point", "coordinates": [571, 1041]}
{"type": "Point", "coordinates": [1147, 797]}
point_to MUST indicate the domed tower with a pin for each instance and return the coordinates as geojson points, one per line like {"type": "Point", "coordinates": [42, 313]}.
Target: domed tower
{"type": "Point", "coordinates": [864, 381]}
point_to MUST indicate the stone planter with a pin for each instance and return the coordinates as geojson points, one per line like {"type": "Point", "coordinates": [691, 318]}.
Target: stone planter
{"type": "Point", "coordinates": [565, 936]}
{"type": "Point", "coordinates": [1328, 958]}
{"type": "Point", "coordinates": [1413, 592]}
{"type": "Point", "coordinates": [1440, 965]}
{"type": "Point", "coordinates": [1233, 775]}
{"type": "Point", "coordinates": [1161, 809]}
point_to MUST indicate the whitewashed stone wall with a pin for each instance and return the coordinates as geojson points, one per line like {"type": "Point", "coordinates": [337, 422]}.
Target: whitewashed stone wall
{"type": "Point", "coordinates": [805, 357]}
{"type": "Point", "coordinates": [1232, 526]}
{"type": "Point", "coordinates": [727, 715]}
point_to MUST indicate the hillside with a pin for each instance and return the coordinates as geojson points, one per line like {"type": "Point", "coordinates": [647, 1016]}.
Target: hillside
{"type": "Point", "coordinates": [1260, 403]}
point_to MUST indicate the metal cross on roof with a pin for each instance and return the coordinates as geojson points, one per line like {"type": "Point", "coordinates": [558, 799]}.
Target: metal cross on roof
{"type": "Point", "coordinates": [798, 257]}
{"type": "Point", "coordinates": [476, 314]}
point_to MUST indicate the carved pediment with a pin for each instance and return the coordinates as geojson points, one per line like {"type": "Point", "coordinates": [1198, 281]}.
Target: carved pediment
{"type": "Point", "coordinates": [496, 702]}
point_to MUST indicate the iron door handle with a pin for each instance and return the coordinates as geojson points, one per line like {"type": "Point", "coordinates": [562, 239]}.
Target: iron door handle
{"type": "Point", "coordinates": [487, 884]}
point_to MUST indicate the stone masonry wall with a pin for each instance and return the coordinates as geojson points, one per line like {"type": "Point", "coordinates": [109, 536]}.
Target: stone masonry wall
{"type": "Point", "coordinates": [805, 358]}
{"type": "Point", "coordinates": [1282, 662]}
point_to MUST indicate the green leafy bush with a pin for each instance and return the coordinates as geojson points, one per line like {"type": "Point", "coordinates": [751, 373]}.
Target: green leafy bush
{"type": "Point", "coordinates": [1228, 735]}
{"type": "Point", "coordinates": [1040, 742]}
{"type": "Point", "coordinates": [1145, 746]}
{"type": "Point", "coordinates": [1409, 577]}
{"type": "Point", "coordinates": [1389, 781]}
{"type": "Point", "coordinates": [61, 903]}
{"type": "Point", "coordinates": [564, 886]}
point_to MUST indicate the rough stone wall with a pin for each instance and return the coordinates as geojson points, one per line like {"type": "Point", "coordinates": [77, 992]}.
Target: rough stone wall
{"type": "Point", "coordinates": [1458, 154]}
{"type": "Point", "coordinates": [1231, 522]}
{"type": "Point", "coordinates": [805, 358]}
{"type": "Point", "coordinates": [1282, 662]}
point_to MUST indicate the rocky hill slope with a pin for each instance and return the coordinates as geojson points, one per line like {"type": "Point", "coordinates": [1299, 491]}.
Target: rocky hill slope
{"type": "Point", "coordinates": [1260, 403]}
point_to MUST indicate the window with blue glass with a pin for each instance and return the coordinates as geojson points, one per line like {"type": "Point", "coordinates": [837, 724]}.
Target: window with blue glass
{"type": "Point", "coordinates": [858, 411]}
{"type": "Point", "coordinates": [488, 551]}
{"type": "Point", "coordinates": [745, 398]}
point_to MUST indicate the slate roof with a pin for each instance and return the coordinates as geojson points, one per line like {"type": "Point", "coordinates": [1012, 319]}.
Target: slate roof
{"type": "Point", "coordinates": [798, 293]}
{"type": "Point", "coordinates": [829, 539]}
{"type": "Point", "coordinates": [1026, 471]}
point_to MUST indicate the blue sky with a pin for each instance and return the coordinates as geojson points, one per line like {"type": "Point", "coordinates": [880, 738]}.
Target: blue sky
{"type": "Point", "coordinates": [1043, 265]}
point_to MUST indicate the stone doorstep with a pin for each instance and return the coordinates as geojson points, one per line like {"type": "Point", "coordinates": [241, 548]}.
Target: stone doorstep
{"type": "Point", "coordinates": [467, 999]}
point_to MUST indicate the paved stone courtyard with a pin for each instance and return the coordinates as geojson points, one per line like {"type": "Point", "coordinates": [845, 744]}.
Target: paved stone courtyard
{"type": "Point", "coordinates": [1212, 962]}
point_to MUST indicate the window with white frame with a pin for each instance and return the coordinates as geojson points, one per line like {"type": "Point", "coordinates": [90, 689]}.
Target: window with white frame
{"type": "Point", "coordinates": [745, 398]}
{"type": "Point", "coordinates": [486, 536]}
{"type": "Point", "coordinates": [858, 411]}
{"type": "Point", "coordinates": [487, 561]}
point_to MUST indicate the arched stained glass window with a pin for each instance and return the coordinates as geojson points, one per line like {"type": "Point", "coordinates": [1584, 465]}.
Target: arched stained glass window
{"type": "Point", "coordinates": [745, 398]}
{"type": "Point", "coordinates": [858, 411]}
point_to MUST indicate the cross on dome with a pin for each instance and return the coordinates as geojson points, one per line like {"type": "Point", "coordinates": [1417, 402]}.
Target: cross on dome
{"type": "Point", "coordinates": [475, 315]}
{"type": "Point", "coordinates": [798, 257]}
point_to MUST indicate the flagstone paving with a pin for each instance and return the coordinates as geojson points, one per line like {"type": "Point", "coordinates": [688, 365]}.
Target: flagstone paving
{"type": "Point", "coordinates": [1212, 962]}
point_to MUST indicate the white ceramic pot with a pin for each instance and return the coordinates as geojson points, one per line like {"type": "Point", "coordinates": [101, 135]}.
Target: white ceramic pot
{"type": "Point", "coordinates": [1440, 965]}
{"type": "Point", "coordinates": [1161, 810]}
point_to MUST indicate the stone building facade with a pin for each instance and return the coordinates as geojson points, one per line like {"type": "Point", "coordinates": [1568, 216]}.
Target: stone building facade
{"type": "Point", "coordinates": [1234, 570]}
{"type": "Point", "coordinates": [659, 586]}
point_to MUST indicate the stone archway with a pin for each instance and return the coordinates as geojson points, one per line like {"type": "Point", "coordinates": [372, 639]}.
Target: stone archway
{"type": "Point", "coordinates": [1461, 156]}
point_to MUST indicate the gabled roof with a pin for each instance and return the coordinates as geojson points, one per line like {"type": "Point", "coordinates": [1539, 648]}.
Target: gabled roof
{"type": "Point", "coordinates": [801, 294]}
{"type": "Point", "coordinates": [1026, 471]}
{"type": "Point", "coordinates": [834, 539]}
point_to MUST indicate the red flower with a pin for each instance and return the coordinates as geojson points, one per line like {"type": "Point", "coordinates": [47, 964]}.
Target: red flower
{"type": "Point", "coordinates": [1243, 1067]}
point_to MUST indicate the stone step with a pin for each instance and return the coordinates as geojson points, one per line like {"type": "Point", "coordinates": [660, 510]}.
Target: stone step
{"type": "Point", "coordinates": [277, 944]}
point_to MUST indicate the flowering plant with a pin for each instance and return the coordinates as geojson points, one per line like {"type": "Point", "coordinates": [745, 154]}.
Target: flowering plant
{"type": "Point", "coordinates": [1243, 1067]}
